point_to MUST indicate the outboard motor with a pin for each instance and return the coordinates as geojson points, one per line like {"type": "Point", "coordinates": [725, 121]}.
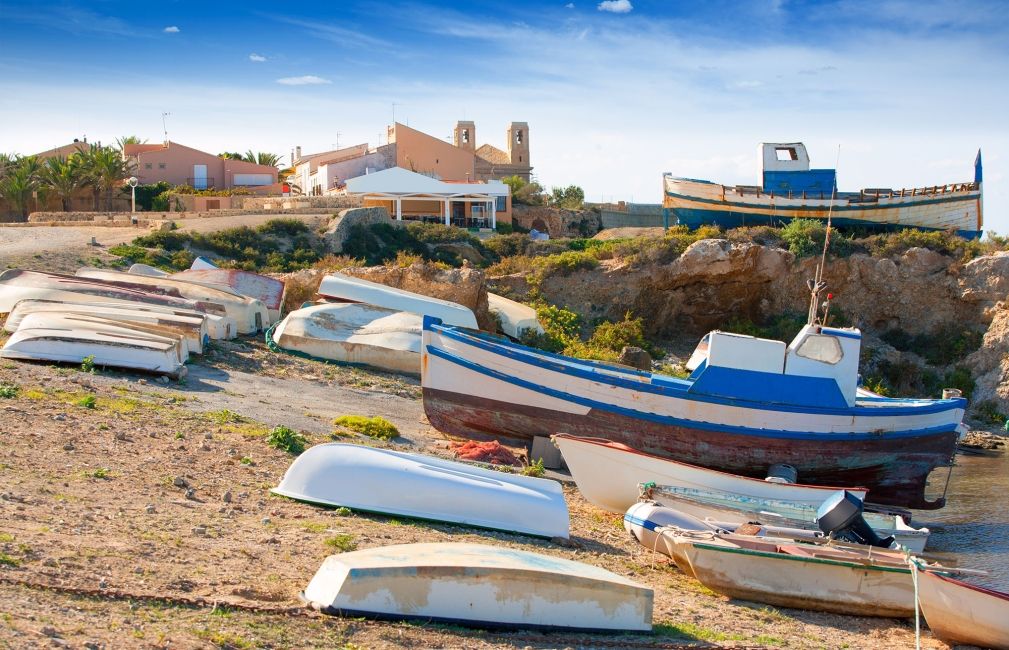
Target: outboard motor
{"type": "Point", "coordinates": [840, 516]}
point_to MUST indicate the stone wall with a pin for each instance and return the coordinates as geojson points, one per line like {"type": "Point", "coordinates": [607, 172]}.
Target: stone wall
{"type": "Point", "coordinates": [557, 221]}
{"type": "Point", "coordinates": [316, 203]}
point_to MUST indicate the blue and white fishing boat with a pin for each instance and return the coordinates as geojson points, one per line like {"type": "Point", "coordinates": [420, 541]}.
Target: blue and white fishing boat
{"type": "Point", "coordinates": [791, 190]}
{"type": "Point", "coordinates": [751, 403]}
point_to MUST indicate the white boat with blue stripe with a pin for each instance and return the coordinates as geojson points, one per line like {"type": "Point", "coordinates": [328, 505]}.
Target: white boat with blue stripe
{"type": "Point", "coordinates": [750, 403]}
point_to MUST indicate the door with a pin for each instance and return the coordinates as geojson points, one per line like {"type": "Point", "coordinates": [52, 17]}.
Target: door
{"type": "Point", "coordinates": [199, 177]}
{"type": "Point", "coordinates": [458, 213]}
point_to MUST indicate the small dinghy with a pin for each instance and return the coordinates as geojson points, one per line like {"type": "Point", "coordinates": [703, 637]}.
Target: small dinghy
{"type": "Point", "coordinates": [70, 338]}
{"type": "Point", "coordinates": [801, 576]}
{"type": "Point", "coordinates": [349, 289]}
{"type": "Point", "coordinates": [959, 613]}
{"type": "Point", "coordinates": [250, 314]}
{"type": "Point", "coordinates": [190, 325]}
{"type": "Point", "coordinates": [423, 487]}
{"type": "Point", "coordinates": [269, 291]}
{"type": "Point", "coordinates": [515, 318]}
{"type": "Point", "coordinates": [355, 334]}
{"type": "Point", "coordinates": [17, 285]}
{"type": "Point", "coordinates": [479, 585]}
{"type": "Point", "coordinates": [608, 474]}
{"type": "Point", "coordinates": [733, 509]}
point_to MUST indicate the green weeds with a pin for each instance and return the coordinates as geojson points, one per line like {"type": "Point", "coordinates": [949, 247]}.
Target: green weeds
{"type": "Point", "coordinates": [344, 543]}
{"type": "Point", "coordinates": [286, 439]}
{"type": "Point", "coordinates": [375, 427]}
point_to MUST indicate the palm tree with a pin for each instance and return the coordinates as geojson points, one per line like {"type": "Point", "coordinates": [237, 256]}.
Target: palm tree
{"type": "Point", "coordinates": [230, 155]}
{"type": "Point", "coordinates": [262, 158]}
{"type": "Point", "coordinates": [63, 176]}
{"type": "Point", "coordinates": [105, 168]}
{"type": "Point", "coordinates": [20, 181]}
{"type": "Point", "coordinates": [128, 139]}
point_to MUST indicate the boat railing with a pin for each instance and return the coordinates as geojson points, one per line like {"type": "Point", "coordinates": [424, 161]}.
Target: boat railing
{"type": "Point", "coordinates": [862, 196]}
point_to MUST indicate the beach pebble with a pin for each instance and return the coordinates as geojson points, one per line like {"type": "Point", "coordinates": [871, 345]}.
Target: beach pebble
{"type": "Point", "coordinates": [48, 631]}
{"type": "Point", "coordinates": [178, 481]}
{"type": "Point", "coordinates": [120, 435]}
{"type": "Point", "coordinates": [59, 417]}
{"type": "Point", "coordinates": [200, 531]}
{"type": "Point", "coordinates": [266, 520]}
{"type": "Point", "coordinates": [68, 446]}
{"type": "Point", "coordinates": [226, 497]}
{"type": "Point", "coordinates": [208, 435]}
{"type": "Point", "coordinates": [150, 509]}
{"type": "Point", "coordinates": [191, 494]}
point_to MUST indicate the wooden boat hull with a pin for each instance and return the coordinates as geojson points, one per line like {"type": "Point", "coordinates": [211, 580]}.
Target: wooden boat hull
{"type": "Point", "coordinates": [800, 582]}
{"type": "Point", "coordinates": [70, 338]}
{"type": "Point", "coordinates": [190, 325]}
{"type": "Point", "coordinates": [695, 203]}
{"type": "Point", "coordinates": [515, 318]}
{"type": "Point", "coordinates": [479, 585]}
{"type": "Point", "coordinates": [355, 334]}
{"type": "Point", "coordinates": [250, 315]}
{"type": "Point", "coordinates": [17, 285]}
{"type": "Point", "coordinates": [346, 288]}
{"type": "Point", "coordinates": [424, 487]}
{"type": "Point", "coordinates": [270, 291]}
{"type": "Point", "coordinates": [962, 614]}
{"type": "Point", "coordinates": [608, 474]}
{"type": "Point", "coordinates": [475, 383]}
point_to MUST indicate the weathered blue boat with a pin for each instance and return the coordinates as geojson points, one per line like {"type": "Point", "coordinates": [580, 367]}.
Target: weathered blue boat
{"type": "Point", "coordinates": [750, 403]}
{"type": "Point", "coordinates": [791, 190]}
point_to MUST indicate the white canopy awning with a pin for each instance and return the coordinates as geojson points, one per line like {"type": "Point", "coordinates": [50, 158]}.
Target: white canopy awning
{"type": "Point", "coordinates": [397, 182]}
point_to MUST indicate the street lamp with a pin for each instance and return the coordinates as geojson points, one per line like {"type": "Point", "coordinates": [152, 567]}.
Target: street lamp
{"type": "Point", "coordinates": [132, 180]}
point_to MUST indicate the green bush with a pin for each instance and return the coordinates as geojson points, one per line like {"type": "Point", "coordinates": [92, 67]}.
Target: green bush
{"type": "Point", "coordinates": [988, 412]}
{"type": "Point", "coordinates": [946, 242]}
{"type": "Point", "coordinates": [9, 391]}
{"type": "Point", "coordinates": [375, 427]}
{"type": "Point", "coordinates": [283, 227]}
{"type": "Point", "coordinates": [286, 439]}
{"type": "Point", "coordinates": [946, 345]}
{"type": "Point", "coordinates": [566, 263]}
{"type": "Point", "coordinates": [508, 245]}
{"type": "Point", "coordinates": [616, 336]}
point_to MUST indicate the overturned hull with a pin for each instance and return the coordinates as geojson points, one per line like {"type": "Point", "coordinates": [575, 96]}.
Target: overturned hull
{"type": "Point", "coordinates": [474, 584]}
{"type": "Point", "coordinates": [70, 338]}
{"type": "Point", "coordinates": [346, 288]}
{"type": "Point", "coordinates": [425, 487]}
{"type": "Point", "coordinates": [354, 334]}
{"type": "Point", "coordinates": [514, 317]}
{"type": "Point", "coordinates": [269, 291]}
{"type": "Point", "coordinates": [474, 383]}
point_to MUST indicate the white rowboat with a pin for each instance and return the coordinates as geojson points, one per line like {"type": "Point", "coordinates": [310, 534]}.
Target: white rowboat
{"type": "Point", "coordinates": [608, 473]}
{"type": "Point", "coordinates": [350, 289]}
{"type": "Point", "coordinates": [515, 318]}
{"type": "Point", "coordinates": [354, 333]}
{"type": "Point", "coordinates": [250, 314]}
{"type": "Point", "coordinates": [479, 585]}
{"type": "Point", "coordinates": [190, 325]}
{"type": "Point", "coordinates": [70, 338]}
{"type": "Point", "coordinates": [959, 613]}
{"type": "Point", "coordinates": [424, 487]}
{"type": "Point", "coordinates": [269, 291]}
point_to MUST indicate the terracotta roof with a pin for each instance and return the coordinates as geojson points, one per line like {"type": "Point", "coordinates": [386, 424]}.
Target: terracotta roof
{"type": "Point", "coordinates": [493, 155]}
{"type": "Point", "coordinates": [134, 149]}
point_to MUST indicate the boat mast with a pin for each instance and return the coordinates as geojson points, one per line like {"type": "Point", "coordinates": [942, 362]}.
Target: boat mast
{"type": "Point", "coordinates": [818, 284]}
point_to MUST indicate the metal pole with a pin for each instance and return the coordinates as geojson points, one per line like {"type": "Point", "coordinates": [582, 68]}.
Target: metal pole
{"type": "Point", "coordinates": [133, 198]}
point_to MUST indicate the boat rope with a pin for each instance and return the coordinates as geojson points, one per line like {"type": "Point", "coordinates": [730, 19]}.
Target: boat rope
{"type": "Point", "coordinates": [817, 285]}
{"type": "Point", "coordinates": [913, 564]}
{"type": "Point", "coordinates": [558, 639]}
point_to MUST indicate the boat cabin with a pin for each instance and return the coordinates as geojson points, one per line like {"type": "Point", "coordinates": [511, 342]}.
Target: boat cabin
{"type": "Point", "coordinates": [786, 169]}
{"type": "Point", "coordinates": [819, 368]}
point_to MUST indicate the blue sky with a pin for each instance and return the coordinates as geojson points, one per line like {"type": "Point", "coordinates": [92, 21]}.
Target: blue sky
{"type": "Point", "coordinates": [615, 93]}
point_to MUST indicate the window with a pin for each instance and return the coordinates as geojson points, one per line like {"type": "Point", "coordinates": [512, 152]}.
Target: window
{"type": "Point", "coordinates": [500, 203]}
{"type": "Point", "coordinates": [518, 137]}
{"type": "Point", "coordinates": [465, 136]}
{"type": "Point", "coordinates": [520, 157]}
{"type": "Point", "coordinates": [162, 166]}
{"type": "Point", "coordinates": [148, 166]}
{"type": "Point", "coordinates": [819, 347]}
{"type": "Point", "coordinates": [786, 153]}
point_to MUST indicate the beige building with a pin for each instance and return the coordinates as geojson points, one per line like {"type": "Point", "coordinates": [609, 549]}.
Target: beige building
{"type": "Point", "coordinates": [178, 164]}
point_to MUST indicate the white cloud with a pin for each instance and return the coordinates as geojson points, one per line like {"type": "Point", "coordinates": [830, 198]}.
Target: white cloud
{"type": "Point", "coordinates": [569, 5]}
{"type": "Point", "coordinates": [303, 80]}
{"type": "Point", "coordinates": [171, 29]}
{"type": "Point", "coordinates": [256, 58]}
{"type": "Point", "coordinates": [615, 6]}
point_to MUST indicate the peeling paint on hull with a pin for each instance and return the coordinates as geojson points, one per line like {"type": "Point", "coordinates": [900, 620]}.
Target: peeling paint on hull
{"type": "Point", "coordinates": [894, 470]}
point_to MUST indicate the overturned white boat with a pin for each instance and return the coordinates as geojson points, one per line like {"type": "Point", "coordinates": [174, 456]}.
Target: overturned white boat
{"type": "Point", "coordinates": [250, 314]}
{"type": "Point", "coordinates": [424, 487]}
{"type": "Point", "coordinates": [70, 338]}
{"type": "Point", "coordinates": [349, 289]}
{"type": "Point", "coordinates": [191, 325]}
{"type": "Point", "coordinates": [269, 291]}
{"type": "Point", "coordinates": [474, 584]}
{"type": "Point", "coordinates": [355, 334]}
{"type": "Point", "coordinates": [514, 317]}
{"type": "Point", "coordinates": [147, 269]}
{"type": "Point", "coordinates": [17, 285]}
{"type": "Point", "coordinates": [608, 473]}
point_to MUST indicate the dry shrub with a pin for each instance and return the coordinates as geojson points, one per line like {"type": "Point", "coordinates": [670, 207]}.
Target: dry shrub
{"type": "Point", "coordinates": [300, 288]}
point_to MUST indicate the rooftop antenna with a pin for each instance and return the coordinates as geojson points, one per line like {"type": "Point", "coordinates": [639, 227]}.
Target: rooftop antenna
{"type": "Point", "coordinates": [338, 140]}
{"type": "Point", "coordinates": [394, 105]}
{"type": "Point", "coordinates": [164, 125]}
{"type": "Point", "coordinates": [817, 285]}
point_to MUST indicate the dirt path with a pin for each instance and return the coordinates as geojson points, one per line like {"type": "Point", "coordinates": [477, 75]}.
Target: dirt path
{"type": "Point", "coordinates": [122, 522]}
{"type": "Point", "coordinates": [65, 248]}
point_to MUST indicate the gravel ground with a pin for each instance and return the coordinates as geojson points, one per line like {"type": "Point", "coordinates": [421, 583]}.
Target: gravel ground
{"type": "Point", "coordinates": [123, 524]}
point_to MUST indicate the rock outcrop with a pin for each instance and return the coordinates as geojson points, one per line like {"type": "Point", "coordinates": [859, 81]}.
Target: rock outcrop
{"type": "Point", "coordinates": [466, 286]}
{"type": "Point", "coordinates": [990, 363]}
{"type": "Point", "coordinates": [341, 225]}
{"type": "Point", "coordinates": [557, 222]}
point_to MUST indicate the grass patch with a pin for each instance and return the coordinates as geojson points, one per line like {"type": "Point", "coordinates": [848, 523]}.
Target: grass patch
{"type": "Point", "coordinates": [88, 402]}
{"type": "Point", "coordinates": [223, 639]}
{"type": "Point", "coordinates": [6, 538]}
{"type": "Point", "coordinates": [286, 439]}
{"type": "Point", "coordinates": [88, 364]}
{"type": "Point", "coordinates": [9, 391]}
{"type": "Point", "coordinates": [692, 631]}
{"type": "Point", "coordinates": [344, 543]}
{"type": "Point", "coordinates": [7, 560]}
{"type": "Point", "coordinates": [100, 473]}
{"type": "Point", "coordinates": [534, 469]}
{"type": "Point", "coordinates": [224, 416]}
{"type": "Point", "coordinates": [375, 427]}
